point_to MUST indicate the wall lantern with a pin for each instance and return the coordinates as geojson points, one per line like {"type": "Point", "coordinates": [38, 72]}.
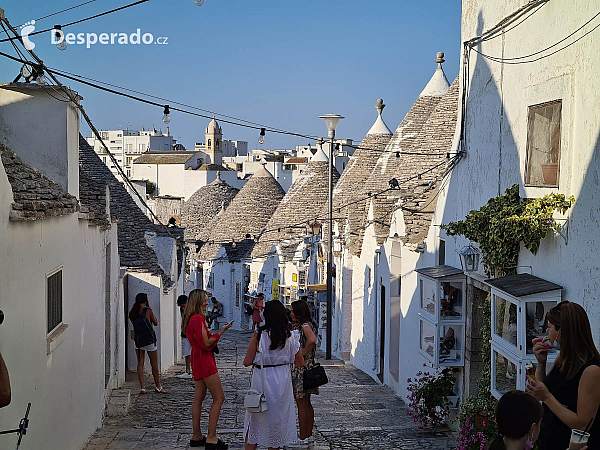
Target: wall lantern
{"type": "Point", "coordinates": [315, 227]}
{"type": "Point", "coordinates": [469, 259]}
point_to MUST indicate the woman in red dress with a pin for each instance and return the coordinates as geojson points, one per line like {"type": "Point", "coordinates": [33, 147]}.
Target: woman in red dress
{"type": "Point", "coordinates": [204, 369]}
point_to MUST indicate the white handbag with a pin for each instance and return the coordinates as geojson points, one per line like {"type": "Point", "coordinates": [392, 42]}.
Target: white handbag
{"type": "Point", "coordinates": [255, 401]}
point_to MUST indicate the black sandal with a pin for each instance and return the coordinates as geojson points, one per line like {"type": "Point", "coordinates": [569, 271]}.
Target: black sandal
{"type": "Point", "coordinates": [198, 443]}
{"type": "Point", "coordinates": [219, 445]}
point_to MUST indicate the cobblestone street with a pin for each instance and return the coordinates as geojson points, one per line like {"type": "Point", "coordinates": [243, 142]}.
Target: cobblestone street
{"type": "Point", "coordinates": [351, 412]}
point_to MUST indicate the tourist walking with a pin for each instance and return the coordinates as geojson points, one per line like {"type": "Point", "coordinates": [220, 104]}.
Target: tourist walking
{"type": "Point", "coordinates": [257, 306]}
{"type": "Point", "coordinates": [570, 391]}
{"type": "Point", "coordinates": [302, 321]}
{"type": "Point", "coordinates": [518, 416]}
{"type": "Point", "coordinates": [186, 348]}
{"type": "Point", "coordinates": [204, 369]}
{"type": "Point", "coordinates": [276, 347]}
{"type": "Point", "coordinates": [143, 320]}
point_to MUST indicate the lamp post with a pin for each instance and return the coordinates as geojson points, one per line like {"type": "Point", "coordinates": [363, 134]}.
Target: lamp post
{"type": "Point", "coordinates": [331, 121]}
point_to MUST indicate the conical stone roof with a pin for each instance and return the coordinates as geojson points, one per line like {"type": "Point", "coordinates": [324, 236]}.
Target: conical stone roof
{"type": "Point", "coordinates": [244, 219]}
{"type": "Point", "coordinates": [205, 204]}
{"type": "Point", "coordinates": [303, 202]}
{"type": "Point", "coordinates": [388, 161]}
{"type": "Point", "coordinates": [360, 166]}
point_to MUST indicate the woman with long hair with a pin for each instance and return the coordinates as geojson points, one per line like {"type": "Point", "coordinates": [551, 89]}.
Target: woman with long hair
{"type": "Point", "coordinates": [272, 349]}
{"type": "Point", "coordinates": [204, 369]}
{"type": "Point", "coordinates": [518, 416]}
{"type": "Point", "coordinates": [142, 318]}
{"type": "Point", "coordinates": [302, 321]}
{"type": "Point", "coordinates": [570, 392]}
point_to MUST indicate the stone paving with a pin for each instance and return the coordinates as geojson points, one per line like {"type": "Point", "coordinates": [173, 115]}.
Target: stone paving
{"type": "Point", "coordinates": [351, 412]}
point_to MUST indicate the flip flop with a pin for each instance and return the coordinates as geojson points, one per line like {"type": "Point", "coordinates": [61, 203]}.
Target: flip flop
{"type": "Point", "coordinates": [161, 390]}
{"type": "Point", "coordinates": [219, 445]}
{"type": "Point", "coordinates": [198, 443]}
{"type": "Point", "coordinates": [143, 391]}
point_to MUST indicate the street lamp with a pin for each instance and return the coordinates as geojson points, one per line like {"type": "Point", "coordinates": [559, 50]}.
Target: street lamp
{"type": "Point", "coordinates": [469, 259]}
{"type": "Point", "coordinates": [331, 121]}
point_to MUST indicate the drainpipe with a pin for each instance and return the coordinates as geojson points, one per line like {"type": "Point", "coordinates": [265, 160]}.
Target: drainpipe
{"type": "Point", "coordinates": [375, 307]}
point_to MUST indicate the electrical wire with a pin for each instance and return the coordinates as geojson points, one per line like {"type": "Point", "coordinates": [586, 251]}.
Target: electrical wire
{"type": "Point", "coordinates": [517, 24]}
{"type": "Point", "coordinates": [170, 101]}
{"type": "Point", "coordinates": [508, 60]}
{"type": "Point", "coordinates": [18, 38]}
{"type": "Point", "coordinates": [54, 14]}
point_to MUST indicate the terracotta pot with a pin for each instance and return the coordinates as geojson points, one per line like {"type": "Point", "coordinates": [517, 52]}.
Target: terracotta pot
{"type": "Point", "coordinates": [480, 417]}
{"type": "Point", "coordinates": [550, 173]}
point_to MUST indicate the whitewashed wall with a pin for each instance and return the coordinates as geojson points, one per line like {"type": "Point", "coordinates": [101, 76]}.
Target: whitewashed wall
{"type": "Point", "coordinates": [175, 180]}
{"type": "Point", "coordinates": [164, 306]}
{"type": "Point", "coordinates": [65, 387]}
{"type": "Point", "coordinates": [497, 148]}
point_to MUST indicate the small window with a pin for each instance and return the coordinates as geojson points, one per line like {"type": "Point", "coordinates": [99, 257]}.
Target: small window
{"type": "Point", "coordinates": [543, 144]}
{"type": "Point", "coordinates": [54, 300]}
{"type": "Point", "coordinates": [223, 281]}
{"type": "Point", "coordinates": [442, 252]}
{"type": "Point", "coordinates": [275, 273]}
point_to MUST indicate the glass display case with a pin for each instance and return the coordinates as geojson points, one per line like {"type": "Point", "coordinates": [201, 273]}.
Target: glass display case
{"type": "Point", "coordinates": [510, 372]}
{"type": "Point", "coordinates": [442, 315]}
{"type": "Point", "coordinates": [520, 305]}
{"type": "Point", "coordinates": [442, 344]}
{"type": "Point", "coordinates": [427, 339]}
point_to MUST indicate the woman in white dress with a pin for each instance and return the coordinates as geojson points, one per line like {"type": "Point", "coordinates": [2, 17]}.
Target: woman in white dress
{"type": "Point", "coordinates": [277, 347]}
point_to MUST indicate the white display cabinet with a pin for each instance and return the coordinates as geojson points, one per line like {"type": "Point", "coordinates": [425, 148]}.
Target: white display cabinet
{"type": "Point", "coordinates": [519, 309]}
{"type": "Point", "coordinates": [442, 303]}
{"type": "Point", "coordinates": [442, 293]}
{"type": "Point", "coordinates": [509, 372]}
{"type": "Point", "coordinates": [520, 305]}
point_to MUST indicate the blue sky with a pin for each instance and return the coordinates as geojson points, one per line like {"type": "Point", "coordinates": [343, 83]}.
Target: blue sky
{"type": "Point", "coordinates": [278, 62]}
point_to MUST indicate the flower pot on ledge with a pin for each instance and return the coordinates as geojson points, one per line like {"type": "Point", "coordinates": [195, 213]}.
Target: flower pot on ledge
{"type": "Point", "coordinates": [550, 173]}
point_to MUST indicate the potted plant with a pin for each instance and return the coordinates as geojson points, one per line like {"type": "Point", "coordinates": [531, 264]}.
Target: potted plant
{"type": "Point", "coordinates": [428, 397]}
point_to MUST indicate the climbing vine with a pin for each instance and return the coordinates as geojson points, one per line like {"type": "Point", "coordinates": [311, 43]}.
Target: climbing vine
{"type": "Point", "coordinates": [506, 221]}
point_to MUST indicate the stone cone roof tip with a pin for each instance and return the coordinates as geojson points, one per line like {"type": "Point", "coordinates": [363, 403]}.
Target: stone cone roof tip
{"type": "Point", "coordinates": [262, 173]}
{"type": "Point", "coordinates": [319, 156]}
{"type": "Point", "coordinates": [438, 84]}
{"type": "Point", "coordinates": [379, 127]}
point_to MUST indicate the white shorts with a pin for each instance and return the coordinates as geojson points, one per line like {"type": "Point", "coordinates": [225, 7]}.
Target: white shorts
{"type": "Point", "coordinates": [149, 348]}
{"type": "Point", "coordinates": [186, 348]}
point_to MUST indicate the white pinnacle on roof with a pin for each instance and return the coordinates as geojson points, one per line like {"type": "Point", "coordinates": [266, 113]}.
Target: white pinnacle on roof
{"type": "Point", "coordinates": [379, 127]}
{"type": "Point", "coordinates": [319, 155]}
{"type": "Point", "coordinates": [438, 85]}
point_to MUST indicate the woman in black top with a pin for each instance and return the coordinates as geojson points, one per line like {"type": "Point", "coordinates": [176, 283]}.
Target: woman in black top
{"type": "Point", "coordinates": [571, 391]}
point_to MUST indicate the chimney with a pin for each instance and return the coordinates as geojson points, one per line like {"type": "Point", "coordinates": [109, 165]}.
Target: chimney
{"type": "Point", "coordinates": [43, 132]}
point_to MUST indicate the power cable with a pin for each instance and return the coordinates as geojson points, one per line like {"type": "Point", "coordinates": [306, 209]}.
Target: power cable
{"type": "Point", "coordinates": [18, 38]}
{"type": "Point", "coordinates": [54, 14]}
{"type": "Point", "coordinates": [169, 101]}
{"type": "Point", "coordinates": [508, 60]}
{"type": "Point", "coordinates": [75, 102]}
{"type": "Point", "coordinates": [517, 24]}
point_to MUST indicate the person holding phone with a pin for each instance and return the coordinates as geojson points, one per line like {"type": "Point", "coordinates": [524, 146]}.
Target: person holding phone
{"type": "Point", "coordinates": [257, 306]}
{"type": "Point", "coordinates": [204, 369]}
{"type": "Point", "coordinates": [569, 392]}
